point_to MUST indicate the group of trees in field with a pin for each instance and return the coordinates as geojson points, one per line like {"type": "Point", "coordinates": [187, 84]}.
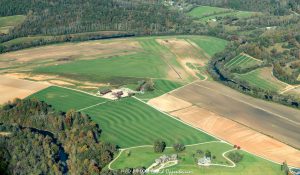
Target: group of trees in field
{"type": "Point", "coordinates": [74, 133]}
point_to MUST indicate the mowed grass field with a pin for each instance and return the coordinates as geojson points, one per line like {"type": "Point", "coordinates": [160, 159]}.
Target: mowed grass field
{"type": "Point", "coordinates": [8, 22]}
{"type": "Point", "coordinates": [242, 61]}
{"type": "Point", "coordinates": [250, 165]}
{"type": "Point", "coordinates": [127, 122]}
{"type": "Point", "coordinates": [262, 78]}
{"type": "Point", "coordinates": [64, 99]}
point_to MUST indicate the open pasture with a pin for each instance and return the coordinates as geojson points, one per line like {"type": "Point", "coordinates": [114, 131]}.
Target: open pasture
{"type": "Point", "coordinates": [242, 61]}
{"type": "Point", "coordinates": [127, 122]}
{"type": "Point", "coordinates": [250, 165]}
{"type": "Point", "coordinates": [9, 22]}
{"type": "Point", "coordinates": [262, 78]}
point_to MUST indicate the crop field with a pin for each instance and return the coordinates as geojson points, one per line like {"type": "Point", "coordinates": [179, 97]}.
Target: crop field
{"type": "Point", "coordinates": [249, 165]}
{"type": "Point", "coordinates": [127, 122]}
{"type": "Point", "coordinates": [8, 22]}
{"type": "Point", "coordinates": [262, 78]}
{"type": "Point", "coordinates": [242, 61]}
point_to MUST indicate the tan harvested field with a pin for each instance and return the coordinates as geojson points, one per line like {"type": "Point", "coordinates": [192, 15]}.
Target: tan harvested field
{"type": "Point", "coordinates": [272, 119]}
{"type": "Point", "coordinates": [11, 88]}
{"type": "Point", "coordinates": [238, 119]}
{"type": "Point", "coordinates": [169, 103]}
{"type": "Point", "coordinates": [238, 134]}
{"type": "Point", "coordinates": [70, 51]}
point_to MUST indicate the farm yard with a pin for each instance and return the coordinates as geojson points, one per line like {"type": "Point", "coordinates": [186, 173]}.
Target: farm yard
{"type": "Point", "coordinates": [127, 122]}
{"type": "Point", "coordinates": [144, 156]}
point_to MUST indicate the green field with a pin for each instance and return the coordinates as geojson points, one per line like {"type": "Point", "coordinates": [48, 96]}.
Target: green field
{"type": "Point", "coordinates": [65, 99]}
{"type": "Point", "coordinates": [262, 78]}
{"type": "Point", "coordinates": [8, 22]}
{"type": "Point", "coordinates": [250, 165]}
{"type": "Point", "coordinates": [242, 62]}
{"type": "Point", "coordinates": [206, 13]}
{"type": "Point", "coordinates": [210, 45]}
{"type": "Point", "coordinates": [161, 87]}
{"type": "Point", "coordinates": [207, 10]}
{"type": "Point", "coordinates": [153, 61]}
{"type": "Point", "coordinates": [127, 122]}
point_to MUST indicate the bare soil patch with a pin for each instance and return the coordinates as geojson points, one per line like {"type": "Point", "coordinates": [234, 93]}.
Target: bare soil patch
{"type": "Point", "coordinates": [55, 80]}
{"type": "Point", "coordinates": [11, 88]}
{"type": "Point", "coordinates": [169, 103]}
{"type": "Point", "coordinates": [238, 134]}
{"type": "Point", "coordinates": [186, 52]}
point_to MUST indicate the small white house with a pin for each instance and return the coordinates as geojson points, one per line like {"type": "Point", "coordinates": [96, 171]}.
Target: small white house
{"type": "Point", "coordinates": [204, 161]}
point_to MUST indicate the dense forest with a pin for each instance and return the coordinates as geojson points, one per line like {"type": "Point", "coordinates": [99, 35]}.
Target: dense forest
{"type": "Point", "coordinates": [69, 142]}
{"type": "Point", "coordinates": [73, 16]}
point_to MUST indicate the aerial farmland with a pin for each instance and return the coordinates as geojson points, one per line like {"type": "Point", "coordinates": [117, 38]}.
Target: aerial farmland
{"type": "Point", "coordinates": [203, 88]}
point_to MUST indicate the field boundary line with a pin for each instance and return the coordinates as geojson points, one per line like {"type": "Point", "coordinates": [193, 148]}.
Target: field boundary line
{"type": "Point", "coordinates": [78, 91]}
{"type": "Point", "coordinates": [92, 106]}
{"type": "Point", "coordinates": [255, 106]}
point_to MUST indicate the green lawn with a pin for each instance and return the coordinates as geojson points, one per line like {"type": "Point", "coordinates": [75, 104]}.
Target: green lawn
{"type": "Point", "coordinates": [262, 78]}
{"type": "Point", "coordinates": [127, 122]}
{"type": "Point", "coordinates": [206, 10]}
{"type": "Point", "coordinates": [242, 62]}
{"type": "Point", "coordinates": [65, 99]}
{"type": "Point", "coordinates": [250, 165]}
{"type": "Point", "coordinates": [9, 22]}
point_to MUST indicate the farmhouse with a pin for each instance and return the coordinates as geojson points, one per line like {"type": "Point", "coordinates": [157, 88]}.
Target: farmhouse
{"type": "Point", "coordinates": [204, 161]}
{"type": "Point", "coordinates": [103, 92]}
{"type": "Point", "coordinates": [164, 159]}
